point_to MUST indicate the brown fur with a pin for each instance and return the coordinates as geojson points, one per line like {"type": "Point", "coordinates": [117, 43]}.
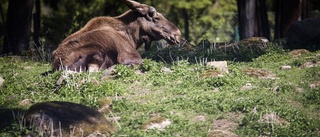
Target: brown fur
{"type": "Point", "coordinates": [90, 48]}
{"type": "Point", "coordinates": [110, 40]}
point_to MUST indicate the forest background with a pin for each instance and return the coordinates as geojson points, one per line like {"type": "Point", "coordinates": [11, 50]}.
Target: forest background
{"type": "Point", "coordinates": [214, 21]}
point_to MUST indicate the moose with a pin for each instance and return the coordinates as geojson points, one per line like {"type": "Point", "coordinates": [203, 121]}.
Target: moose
{"type": "Point", "coordinates": [105, 41]}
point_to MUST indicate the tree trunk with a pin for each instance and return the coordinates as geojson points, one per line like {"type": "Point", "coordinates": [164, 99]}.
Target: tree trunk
{"type": "Point", "coordinates": [253, 19]}
{"type": "Point", "coordinates": [18, 26]}
{"type": "Point", "coordinates": [186, 23]}
{"type": "Point", "coordinates": [37, 23]}
{"type": "Point", "coordinates": [246, 12]}
{"type": "Point", "coordinates": [287, 12]}
{"type": "Point", "coordinates": [262, 19]}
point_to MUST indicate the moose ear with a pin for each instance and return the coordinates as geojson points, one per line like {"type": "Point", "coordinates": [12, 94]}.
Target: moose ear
{"type": "Point", "coordinates": [136, 6]}
{"type": "Point", "coordinates": [152, 11]}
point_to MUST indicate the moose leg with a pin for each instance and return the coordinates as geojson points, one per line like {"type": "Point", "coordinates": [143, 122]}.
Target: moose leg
{"type": "Point", "coordinates": [108, 62]}
{"type": "Point", "coordinates": [84, 58]}
{"type": "Point", "coordinates": [129, 58]}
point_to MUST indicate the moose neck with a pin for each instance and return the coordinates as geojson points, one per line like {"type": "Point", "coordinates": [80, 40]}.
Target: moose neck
{"type": "Point", "coordinates": [132, 28]}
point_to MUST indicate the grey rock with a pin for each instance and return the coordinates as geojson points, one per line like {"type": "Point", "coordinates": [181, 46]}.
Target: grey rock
{"type": "Point", "coordinates": [67, 119]}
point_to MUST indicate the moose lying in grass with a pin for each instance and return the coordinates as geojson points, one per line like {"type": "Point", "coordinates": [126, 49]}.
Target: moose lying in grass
{"type": "Point", "coordinates": [105, 41]}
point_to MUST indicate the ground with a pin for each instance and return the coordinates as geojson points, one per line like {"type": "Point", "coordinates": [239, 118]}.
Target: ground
{"type": "Point", "coordinates": [254, 98]}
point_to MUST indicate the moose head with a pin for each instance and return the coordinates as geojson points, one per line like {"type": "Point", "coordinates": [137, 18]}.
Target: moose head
{"type": "Point", "coordinates": [153, 24]}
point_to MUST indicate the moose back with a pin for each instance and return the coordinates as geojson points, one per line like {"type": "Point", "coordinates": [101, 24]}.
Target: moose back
{"type": "Point", "coordinates": [105, 41]}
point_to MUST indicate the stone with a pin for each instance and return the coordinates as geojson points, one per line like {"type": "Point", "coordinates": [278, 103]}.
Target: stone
{"type": "Point", "coordinates": [248, 86]}
{"type": "Point", "coordinates": [285, 67]}
{"type": "Point", "coordinates": [156, 122]}
{"type": "Point", "coordinates": [67, 119]}
{"type": "Point", "coordinates": [221, 66]}
{"type": "Point", "coordinates": [26, 102]}
{"type": "Point", "coordinates": [166, 70]}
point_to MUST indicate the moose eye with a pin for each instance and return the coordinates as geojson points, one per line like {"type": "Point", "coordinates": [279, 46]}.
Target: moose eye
{"type": "Point", "coordinates": [156, 19]}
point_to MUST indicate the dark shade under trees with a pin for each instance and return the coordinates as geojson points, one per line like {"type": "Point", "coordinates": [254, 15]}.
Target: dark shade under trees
{"type": "Point", "coordinates": [288, 12]}
{"type": "Point", "coordinates": [18, 27]}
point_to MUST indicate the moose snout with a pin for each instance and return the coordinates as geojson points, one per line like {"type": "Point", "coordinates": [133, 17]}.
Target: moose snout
{"type": "Point", "coordinates": [176, 37]}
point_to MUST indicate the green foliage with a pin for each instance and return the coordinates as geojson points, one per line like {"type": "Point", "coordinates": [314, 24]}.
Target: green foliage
{"type": "Point", "coordinates": [73, 15]}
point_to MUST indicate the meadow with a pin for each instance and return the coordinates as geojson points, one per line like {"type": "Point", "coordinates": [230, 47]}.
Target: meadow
{"type": "Point", "coordinates": [257, 97]}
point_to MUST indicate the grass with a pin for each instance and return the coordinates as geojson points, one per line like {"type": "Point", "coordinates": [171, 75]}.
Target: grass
{"type": "Point", "coordinates": [197, 105]}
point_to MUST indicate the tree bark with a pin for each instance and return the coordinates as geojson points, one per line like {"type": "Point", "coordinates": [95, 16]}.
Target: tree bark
{"type": "Point", "coordinates": [186, 23]}
{"type": "Point", "coordinates": [18, 26]}
{"type": "Point", "coordinates": [287, 12]}
{"type": "Point", "coordinates": [253, 19]}
{"type": "Point", "coordinates": [246, 12]}
{"type": "Point", "coordinates": [262, 19]}
{"type": "Point", "coordinates": [37, 23]}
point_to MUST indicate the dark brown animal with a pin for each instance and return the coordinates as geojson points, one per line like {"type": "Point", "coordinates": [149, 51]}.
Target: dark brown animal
{"type": "Point", "coordinates": [105, 41]}
{"type": "Point", "coordinates": [101, 47]}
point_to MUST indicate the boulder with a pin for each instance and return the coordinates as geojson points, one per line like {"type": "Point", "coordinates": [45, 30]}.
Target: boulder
{"type": "Point", "coordinates": [67, 119]}
{"type": "Point", "coordinates": [304, 34]}
{"type": "Point", "coordinates": [221, 66]}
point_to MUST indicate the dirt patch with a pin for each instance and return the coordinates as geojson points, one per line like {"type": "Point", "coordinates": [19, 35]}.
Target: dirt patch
{"type": "Point", "coordinates": [310, 64]}
{"type": "Point", "coordinates": [222, 127]}
{"type": "Point", "coordinates": [273, 118]}
{"type": "Point", "coordinates": [315, 84]}
{"type": "Point", "coordinates": [259, 73]}
{"type": "Point", "coordinates": [225, 127]}
{"type": "Point", "coordinates": [298, 52]}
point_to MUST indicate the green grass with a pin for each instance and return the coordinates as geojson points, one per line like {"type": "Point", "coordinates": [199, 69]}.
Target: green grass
{"type": "Point", "coordinates": [180, 95]}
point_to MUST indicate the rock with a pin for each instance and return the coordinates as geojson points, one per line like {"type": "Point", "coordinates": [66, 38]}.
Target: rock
{"type": "Point", "coordinates": [67, 119]}
{"type": "Point", "coordinates": [285, 67]}
{"type": "Point", "coordinates": [248, 86]}
{"type": "Point", "coordinates": [304, 34]}
{"type": "Point", "coordinates": [198, 119]}
{"type": "Point", "coordinates": [166, 70]}
{"type": "Point", "coordinates": [1, 81]}
{"type": "Point", "coordinates": [221, 66]}
{"type": "Point", "coordinates": [26, 102]}
{"type": "Point", "coordinates": [156, 122]}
